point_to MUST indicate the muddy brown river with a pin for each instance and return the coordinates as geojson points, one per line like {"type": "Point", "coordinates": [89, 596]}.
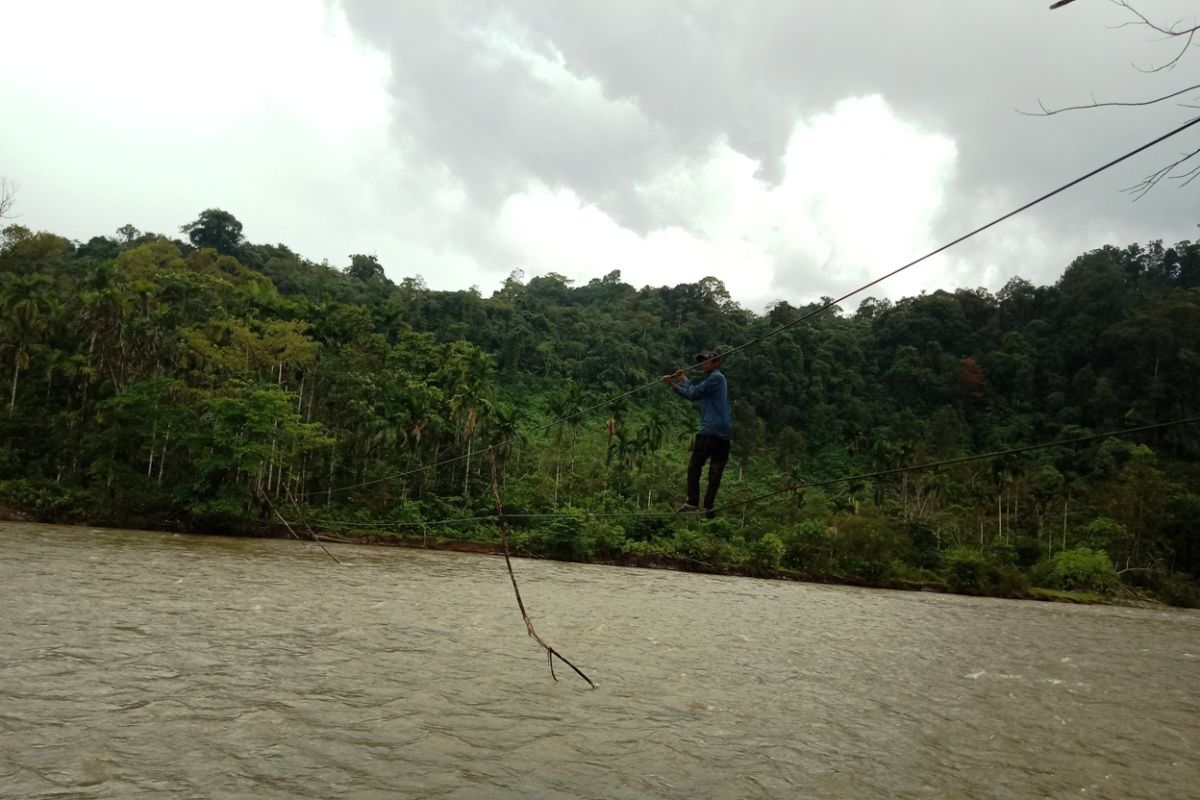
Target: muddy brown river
{"type": "Point", "coordinates": [137, 665]}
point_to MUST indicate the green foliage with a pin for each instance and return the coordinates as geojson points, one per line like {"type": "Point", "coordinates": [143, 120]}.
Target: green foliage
{"type": "Point", "coordinates": [807, 547]}
{"type": "Point", "coordinates": [1102, 533]}
{"type": "Point", "coordinates": [969, 571]}
{"type": "Point", "coordinates": [565, 539]}
{"type": "Point", "coordinates": [966, 571]}
{"type": "Point", "coordinates": [154, 381]}
{"type": "Point", "coordinates": [766, 554]}
{"type": "Point", "coordinates": [866, 545]}
{"type": "Point", "coordinates": [1178, 589]}
{"type": "Point", "coordinates": [217, 229]}
{"type": "Point", "coordinates": [698, 546]}
{"type": "Point", "coordinates": [45, 500]}
{"type": "Point", "coordinates": [1083, 569]}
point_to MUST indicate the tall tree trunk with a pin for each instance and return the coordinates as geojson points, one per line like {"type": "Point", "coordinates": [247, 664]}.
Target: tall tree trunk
{"type": "Point", "coordinates": [153, 442]}
{"type": "Point", "coordinates": [162, 458]}
{"type": "Point", "coordinates": [467, 471]}
{"type": "Point", "coordinates": [1066, 502]}
{"type": "Point", "coordinates": [12, 402]}
{"type": "Point", "coordinates": [557, 475]}
{"type": "Point", "coordinates": [999, 515]}
{"type": "Point", "coordinates": [332, 459]}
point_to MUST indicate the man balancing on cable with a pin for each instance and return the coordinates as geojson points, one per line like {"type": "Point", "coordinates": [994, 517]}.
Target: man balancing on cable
{"type": "Point", "coordinates": [716, 429]}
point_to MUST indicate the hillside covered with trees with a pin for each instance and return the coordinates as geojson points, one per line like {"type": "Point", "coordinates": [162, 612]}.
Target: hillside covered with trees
{"type": "Point", "coordinates": [204, 383]}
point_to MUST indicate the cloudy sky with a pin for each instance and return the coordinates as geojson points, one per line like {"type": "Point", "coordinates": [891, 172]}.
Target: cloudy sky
{"type": "Point", "coordinates": [791, 148]}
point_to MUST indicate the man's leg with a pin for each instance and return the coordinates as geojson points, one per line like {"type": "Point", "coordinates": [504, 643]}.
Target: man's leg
{"type": "Point", "coordinates": [719, 451]}
{"type": "Point", "coordinates": [695, 466]}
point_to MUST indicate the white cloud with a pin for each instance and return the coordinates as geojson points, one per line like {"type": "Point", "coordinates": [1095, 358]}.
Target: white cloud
{"type": "Point", "coordinates": [486, 140]}
{"type": "Point", "coordinates": [860, 194]}
{"type": "Point", "coordinates": [148, 112]}
{"type": "Point", "coordinates": [156, 67]}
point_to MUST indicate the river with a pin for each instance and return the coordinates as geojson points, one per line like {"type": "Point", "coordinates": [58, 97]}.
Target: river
{"type": "Point", "coordinates": [137, 664]}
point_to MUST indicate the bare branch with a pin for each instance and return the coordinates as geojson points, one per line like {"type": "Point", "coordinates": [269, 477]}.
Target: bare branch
{"type": "Point", "coordinates": [263, 495]}
{"type": "Point", "coordinates": [1150, 181]}
{"type": "Point", "coordinates": [551, 653]}
{"type": "Point", "coordinates": [1188, 176]}
{"type": "Point", "coordinates": [1170, 32]}
{"type": "Point", "coordinates": [8, 197]}
{"type": "Point", "coordinates": [1174, 30]}
{"type": "Point", "coordinates": [1170, 64]}
{"type": "Point", "coordinates": [1048, 112]}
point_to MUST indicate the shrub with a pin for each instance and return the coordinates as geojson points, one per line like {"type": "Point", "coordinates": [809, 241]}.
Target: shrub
{"type": "Point", "coordinates": [866, 545]}
{"type": "Point", "coordinates": [722, 528]}
{"type": "Point", "coordinates": [1008, 581]}
{"type": "Point", "coordinates": [1177, 589]}
{"type": "Point", "coordinates": [608, 540]}
{"type": "Point", "coordinates": [46, 500]}
{"type": "Point", "coordinates": [564, 538]}
{"type": "Point", "coordinates": [1083, 569]}
{"type": "Point", "coordinates": [969, 571]}
{"type": "Point", "coordinates": [692, 544]}
{"type": "Point", "coordinates": [807, 547]}
{"type": "Point", "coordinates": [966, 571]}
{"type": "Point", "coordinates": [766, 554]}
{"type": "Point", "coordinates": [646, 529]}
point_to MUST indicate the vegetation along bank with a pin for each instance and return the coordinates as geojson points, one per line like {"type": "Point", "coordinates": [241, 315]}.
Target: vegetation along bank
{"type": "Point", "coordinates": [213, 385]}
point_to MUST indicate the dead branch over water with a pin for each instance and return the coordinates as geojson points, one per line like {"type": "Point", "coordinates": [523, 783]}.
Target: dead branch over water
{"type": "Point", "coordinates": [551, 653]}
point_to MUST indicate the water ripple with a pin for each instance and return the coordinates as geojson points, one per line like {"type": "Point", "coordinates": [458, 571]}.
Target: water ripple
{"type": "Point", "coordinates": [140, 665]}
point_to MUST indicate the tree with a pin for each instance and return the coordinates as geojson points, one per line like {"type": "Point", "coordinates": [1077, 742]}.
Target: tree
{"type": "Point", "coordinates": [217, 229]}
{"type": "Point", "coordinates": [365, 268]}
{"type": "Point", "coordinates": [26, 306]}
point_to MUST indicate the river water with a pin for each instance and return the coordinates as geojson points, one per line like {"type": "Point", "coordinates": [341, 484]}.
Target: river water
{"type": "Point", "coordinates": [138, 664]}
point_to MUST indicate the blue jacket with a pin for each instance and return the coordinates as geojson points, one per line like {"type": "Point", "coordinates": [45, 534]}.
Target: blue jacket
{"type": "Point", "coordinates": [714, 408]}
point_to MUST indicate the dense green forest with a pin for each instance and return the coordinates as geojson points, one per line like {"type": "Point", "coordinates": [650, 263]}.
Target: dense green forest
{"type": "Point", "coordinates": [203, 383]}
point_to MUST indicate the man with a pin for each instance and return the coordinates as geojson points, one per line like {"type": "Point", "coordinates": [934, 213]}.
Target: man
{"type": "Point", "coordinates": [716, 429]}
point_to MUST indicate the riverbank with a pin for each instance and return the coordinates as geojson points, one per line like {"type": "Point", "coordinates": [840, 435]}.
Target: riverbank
{"type": "Point", "coordinates": [658, 560]}
{"type": "Point", "coordinates": [644, 555]}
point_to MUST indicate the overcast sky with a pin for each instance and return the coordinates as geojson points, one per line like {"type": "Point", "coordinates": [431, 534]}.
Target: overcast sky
{"type": "Point", "coordinates": [791, 148]}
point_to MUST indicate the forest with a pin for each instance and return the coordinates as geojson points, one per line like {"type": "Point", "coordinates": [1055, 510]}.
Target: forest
{"type": "Point", "coordinates": [207, 384]}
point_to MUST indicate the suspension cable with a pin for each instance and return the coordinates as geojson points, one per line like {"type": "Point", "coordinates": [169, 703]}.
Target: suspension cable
{"type": "Point", "coordinates": [779, 329]}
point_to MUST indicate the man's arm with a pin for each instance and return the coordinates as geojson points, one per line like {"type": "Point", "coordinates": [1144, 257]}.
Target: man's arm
{"type": "Point", "coordinates": [698, 391]}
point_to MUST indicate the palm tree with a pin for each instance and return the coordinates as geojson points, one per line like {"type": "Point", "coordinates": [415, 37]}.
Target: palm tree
{"type": "Point", "coordinates": [105, 310]}
{"type": "Point", "coordinates": [26, 305]}
{"type": "Point", "coordinates": [503, 434]}
{"type": "Point", "coordinates": [568, 408]}
{"type": "Point", "coordinates": [653, 434]}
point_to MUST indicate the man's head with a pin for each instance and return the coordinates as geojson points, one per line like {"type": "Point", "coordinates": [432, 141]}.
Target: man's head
{"type": "Point", "coordinates": [709, 360]}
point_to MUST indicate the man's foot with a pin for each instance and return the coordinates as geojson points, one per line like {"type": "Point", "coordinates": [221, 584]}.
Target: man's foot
{"type": "Point", "coordinates": [710, 514]}
{"type": "Point", "coordinates": [686, 508]}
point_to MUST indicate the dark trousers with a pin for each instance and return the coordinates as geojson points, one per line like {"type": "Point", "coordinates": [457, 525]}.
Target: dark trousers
{"type": "Point", "coordinates": [715, 450]}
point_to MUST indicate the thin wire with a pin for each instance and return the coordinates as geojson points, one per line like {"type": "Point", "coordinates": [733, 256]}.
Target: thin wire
{"type": "Point", "coordinates": [792, 488]}
{"type": "Point", "coordinates": [797, 321]}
